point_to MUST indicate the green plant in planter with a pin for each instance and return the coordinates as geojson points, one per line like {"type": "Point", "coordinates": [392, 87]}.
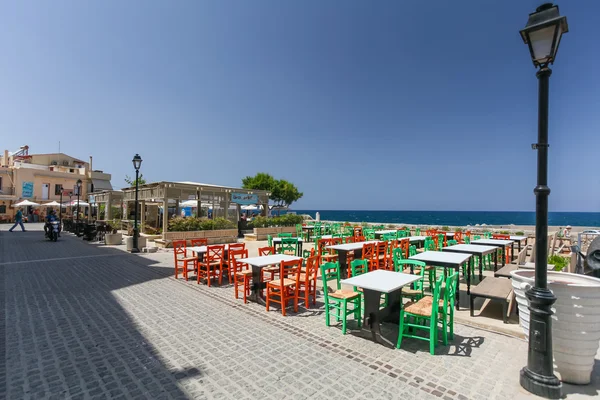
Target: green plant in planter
{"type": "Point", "coordinates": [114, 226]}
{"type": "Point", "coordinates": [559, 262]}
{"type": "Point", "coordinates": [458, 230]}
{"type": "Point", "coordinates": [504, 232]}
{"type": "Point", "coordinates": [445, 228]}
{"type": "Point", "coordinates": [520, 233]}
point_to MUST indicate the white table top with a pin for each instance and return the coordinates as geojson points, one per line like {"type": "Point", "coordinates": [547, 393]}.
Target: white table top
{"type": "Point", "coordinates": [308, 227]}
{"type": "Point", "coordinates": [492, 242]}
{"type": "Point", "coordinates": [350, 246]}
{"type": "Point", "coordinates": [202, 249]}
{"type": "Point", "coordinates": [381, 280]}
{"type": "Point", "coordinates": [518, 238]}
{"type": "Point", "coordinates": [264, 261]}
{"type": "Point", "coordinates": [278, 239]}
{"type": "Point", "coordinates": [327, 237]}
{"type": "Point", "coordinates": [442, 257]}
{"type": "Point", "coordinates": [471, 248]}
{"type": "Point", "coordinates": [384, 232]}
{"type": "Point", "coordinates": [415, 238]}
{"type": "Point", "coordinates": [449, 233]}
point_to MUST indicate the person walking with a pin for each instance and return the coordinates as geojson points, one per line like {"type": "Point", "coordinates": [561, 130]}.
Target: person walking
{"type": "Point", "coordinates": [18, 220]}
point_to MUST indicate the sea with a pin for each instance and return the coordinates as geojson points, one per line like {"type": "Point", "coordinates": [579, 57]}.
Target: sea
{"type": "Point", "coordinates": [456, 218]}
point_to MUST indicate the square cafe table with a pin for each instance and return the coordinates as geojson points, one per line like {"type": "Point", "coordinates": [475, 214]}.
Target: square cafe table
{"type": "Point", "coordinates": [519, 240]}
{"type": "Point", "coordinates": [379, 234]}
{"type": "Point", "coordinates": [309, 230]}
{"type": "Point", "coordinates": [417, 239]}
{"type": "Point", "coordinates": [475, 250]}
{"type": "Point", "coordinates": [343, 250]}
{"type": "Point", "coordinates": [495, 242]}
{"type": "Point", "coordinates": [201, 250]}
{"type": "Point", "coordinates": [257, 264]}
{"type": "Point", "coordinates": [277, 240]}
{"type": "Point", "coordinates": [446, 260]}
{"type": "Point", "coordinates": [375, 283]}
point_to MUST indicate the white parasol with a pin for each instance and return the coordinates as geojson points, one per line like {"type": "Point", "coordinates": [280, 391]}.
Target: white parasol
{"type": "Point", "coordinates": [51, 204]}
{"type": "Point", "coordinates": [74, 203]}
{"type": "Point", "coordinates": [25, 203]}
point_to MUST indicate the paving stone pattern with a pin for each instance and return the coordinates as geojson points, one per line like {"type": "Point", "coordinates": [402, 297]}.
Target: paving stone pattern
{"type": "Point", "coordinates": [96, 322]}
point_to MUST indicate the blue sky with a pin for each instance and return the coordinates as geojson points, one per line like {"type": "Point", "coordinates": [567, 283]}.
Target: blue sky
{"type": "Point", "coordinates": [382, 105]}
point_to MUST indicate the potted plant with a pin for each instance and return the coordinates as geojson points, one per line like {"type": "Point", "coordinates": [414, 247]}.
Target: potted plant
{"type": "Point", "coordinates": [575, 323]}
{"type": "Point", "coordinates": [114, 237]}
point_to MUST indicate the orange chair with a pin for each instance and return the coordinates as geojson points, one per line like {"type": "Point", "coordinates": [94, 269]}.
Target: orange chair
{"type": "Point", "coordinates": [285, 288]}
{"type": "Point", "coordinates": [458, 236]}
{"type": "Point", "coordinates": [381, 255]}
{"type": "Point", "coordinates": [180, 253]}
{"type": "Point", "coordinates": [358, 232]}
{"type": "Point", "coordinates": [368, 253]}
{"type": "Point", "coordinates": [507, 256]}
{"type": "Point", "coordinates": [267, 251]}
{"type": "Point", "coordinates": [325, 254]}
{"type": "Point", "coordinates": [307, 285]}
{"type": "Point", "coordinates": [404, 245]}
{"type": "Point", "coordinates": [215, 257]}
{"type": "Point", "coordinates": [237, 246]}
{"type": "Point", "coordinates": [199, 242]}
{"type": "Point", "coordinates": [241, 272]}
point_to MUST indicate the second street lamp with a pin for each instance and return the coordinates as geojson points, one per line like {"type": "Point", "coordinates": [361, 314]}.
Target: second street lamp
{"type": "Point", "coordinates": [78, 194]}
{"type": "Point", "coordinates": [542, 34]}
{"type": "Point", "coordinates": [137, 163]}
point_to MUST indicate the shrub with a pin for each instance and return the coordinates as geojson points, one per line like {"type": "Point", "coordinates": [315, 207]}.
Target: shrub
{"type": "Point", "coordinates": [284, 220]}
{"type": "Point", "coordinates": [458, 230]}
{"type": "Point", "coordinates": [180, 224]}
{"type": "Point", "coordinates": [114, 225]}
{"type": "Point", "coordinates": [445, 228]}
{"type": "Point", "coordinates": [504, 232]}
{"type": "Point", "coordinates": [559, 262]}
{"type": "Point", "coordinates": [520, 233]}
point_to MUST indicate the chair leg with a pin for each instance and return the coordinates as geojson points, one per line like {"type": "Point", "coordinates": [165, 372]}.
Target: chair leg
{"type": "Point", "coordinates": [268, 297]}
{"type": "Point", "coordinates": [432, 335]}
{"type": "Point", "coordinates": [451, 323]}
{"type": "Point", "coordinates": [344, 316]}
{"type": "Point", "coordinates": [400, 329]}
{"type": "Point", "coordinates": [326, 314]}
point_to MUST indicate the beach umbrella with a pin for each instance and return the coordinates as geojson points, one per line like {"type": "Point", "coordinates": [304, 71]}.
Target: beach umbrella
{"type": "Point", "coordinates": [51, 204]}
{"type": "Point", "coordinates": [74, 203]}
{"type": "Point", "coordinates": [25, 203]}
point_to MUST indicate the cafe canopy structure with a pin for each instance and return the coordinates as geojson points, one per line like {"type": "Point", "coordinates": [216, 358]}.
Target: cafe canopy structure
{"type": "Point", "coordinates": [166, 198]}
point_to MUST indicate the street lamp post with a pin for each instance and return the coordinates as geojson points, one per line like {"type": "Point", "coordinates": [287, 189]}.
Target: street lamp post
{"type": "Point", "coordinates": [137, 163]}
{"type": "Point", "coordinates": [78, 194]}
{"type": "Point", "coordinates": [542, 34]}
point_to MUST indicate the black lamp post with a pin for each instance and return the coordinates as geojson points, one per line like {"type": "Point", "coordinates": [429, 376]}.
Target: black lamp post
{"type": "Point", "coordinates": [542, 34]}
{"type": "Point", "coordinates": [78, 194]}
{"type": "Point", "coordinates": [137, 163]}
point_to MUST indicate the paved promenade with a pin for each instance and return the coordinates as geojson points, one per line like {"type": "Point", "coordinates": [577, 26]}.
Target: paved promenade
{"type": "Point", "coordinates": [82, 320]}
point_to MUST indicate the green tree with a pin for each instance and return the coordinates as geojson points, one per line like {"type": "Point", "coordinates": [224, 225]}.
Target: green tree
{"type": "Point", "coordinates": [131, 182]}
{"type": "Point", "coordinates": [283, 193]}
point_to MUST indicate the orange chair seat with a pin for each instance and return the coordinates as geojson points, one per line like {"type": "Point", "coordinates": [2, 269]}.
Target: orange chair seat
{"type": "Point", "coordinates": [286, 282]}
{"type": "Point", "coordinates": [187, 259]}
{"type": "Point", "coordinates": [271, 269]}
{"type": "Point", "coordinates": [344, 294]}
{"type": "Point", "coordinates": [242, 273]}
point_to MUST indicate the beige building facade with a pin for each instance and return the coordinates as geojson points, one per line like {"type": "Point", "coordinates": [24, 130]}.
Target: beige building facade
{"type": "Point", "coordinates": [42, 178]}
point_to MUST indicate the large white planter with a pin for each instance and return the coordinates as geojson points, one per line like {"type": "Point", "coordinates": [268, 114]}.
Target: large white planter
{"type": "Point", "coordinates": [113, 239]}
{"type": "Point", "coordinates": [575, 323]}
{"type": "Point", "coordinates": [129, 242]}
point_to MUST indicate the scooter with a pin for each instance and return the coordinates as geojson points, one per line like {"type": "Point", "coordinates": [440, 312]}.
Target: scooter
{"type": "Point", "coordinates": [53, 230]}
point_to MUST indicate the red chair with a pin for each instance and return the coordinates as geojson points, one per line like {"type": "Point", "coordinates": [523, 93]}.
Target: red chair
{"type": "Point", "coordinates": [381, 255]}
{"type": "Point", "coordinates": [307, 284]}
{"type": "Point", "coordinates": [199, 242]}
{"type": "Point", "coordinates": [285, 288]}
{"type": "Point", "coordinates": [215, 257]}
{"type": "Point", "coordinates": [181, 257]}
{"type": "Point", "coordinates": [368, 253]}
{"type": "Point", "coordinates": [242, 273]}
{"type": "Point", "coordinates": [272, 270]}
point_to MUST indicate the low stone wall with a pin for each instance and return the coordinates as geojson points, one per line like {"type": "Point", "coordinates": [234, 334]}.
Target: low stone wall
{"type": "Point", "coordinates": [261, 233]}
{"type": "Point", "coordinates": [214, 237]}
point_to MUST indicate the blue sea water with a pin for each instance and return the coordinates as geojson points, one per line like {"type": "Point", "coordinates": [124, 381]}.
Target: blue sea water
{"type": "Point", "coordinates": [458, 218]}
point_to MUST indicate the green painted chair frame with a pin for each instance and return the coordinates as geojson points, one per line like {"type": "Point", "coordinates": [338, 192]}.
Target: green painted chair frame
{"type": "Point", "coordinates": [331, 271]}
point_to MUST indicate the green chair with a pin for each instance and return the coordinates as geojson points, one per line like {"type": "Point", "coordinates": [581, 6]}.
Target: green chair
{"type": "Point", "coordinates": [452, 242]}
{"type": "Point", "coordinates": [447, 311]}
{"type": "Point", "coordinates": [467, 239]}
{"type": "Point", "coordinates": [412, 250]}
{"type": "Point", "coordinates": [429, 244]}
{"type": "Point", "coordinates": [300, 232]}
{"type": "Point", "coordinates": [270, 240]}
{"type": "Point", "coordinates": [397, 255]}
{"type": "Point", "coordinates": [423, 311]}
{"type": "Point", "coordinates": [401, 234]}
{"type": "Point", "coordinates": [417, 291]}
{"type": "Point", "coordinates": [417, 231]}
{"type": "Point", "coordinates": [369, 234]}
{"type": "Point", "coordinates": [289, 245]}
{"type": "Point", "coordinates": [284, 235]}
{"type": "Point", "coordinates": [389, 237]}
{"type": "Point", "coordinates": [441, 238]}
{"type": "Point", "coordinates": [339, 299]}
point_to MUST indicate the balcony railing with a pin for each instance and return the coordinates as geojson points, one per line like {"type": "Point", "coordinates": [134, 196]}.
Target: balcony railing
{"type": "Point", "coordinates": [7, 191]}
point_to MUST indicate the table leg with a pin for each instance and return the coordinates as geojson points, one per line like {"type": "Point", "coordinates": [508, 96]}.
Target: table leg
{"type": "Point", "coordinates": [469, 270]}
{"type": "Point", "coordinates": [512, 251]}
{"type": "Point", "coordinates": [503, 258]}
{"type": "Point", "coordinates": [457, 268]}
{"type": "Point", "coordinates": [374, 316]}
{"type": "Point", "coordinates": [343, 260]}
{"type": "Point", "coordinates": [495, 260]}
{"type": "Point", "coordinates": [480, 267]}
{"type": "Point", "coordinates": [299, 251]}
{"type": "Point", "coordinates": [520, 245]}
{"type": "Point", "coordinates": [257, 284]}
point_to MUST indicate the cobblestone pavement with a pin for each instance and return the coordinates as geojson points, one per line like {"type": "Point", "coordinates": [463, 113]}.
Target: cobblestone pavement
{"type": "Point", "coordinates": [82, 320]}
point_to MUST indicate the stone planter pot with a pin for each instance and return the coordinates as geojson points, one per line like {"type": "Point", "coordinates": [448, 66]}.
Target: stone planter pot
{"type": "Point", "coordinates": [575, 323]}
{"type": "Point", "coordinates": [113, 239]}
{"type": "Point", "coordinates": [141, 242]}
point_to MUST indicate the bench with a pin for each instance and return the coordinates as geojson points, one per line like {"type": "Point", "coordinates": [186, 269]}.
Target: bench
{"type": "Point", "coordinates": [494, 289]}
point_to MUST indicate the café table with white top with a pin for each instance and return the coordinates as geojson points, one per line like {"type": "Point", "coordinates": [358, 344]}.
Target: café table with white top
{"type": "Point", "coordinates": [257, 264]}
{"type": "Point", "coordinates": [475, 250]}
{"type": "Point", "coordinates": [201, 250]}
{"type": "Point", "coordinates": [494, 242]}
{"type": "Point", "coordinates": [343, 250]}
{"type": "Point", "coordinates": [519, 239]}
{"type": "Point", "coordinates": [309, 230]}
{"type": "Point", "coordinates": [445, 260]}
{"type": "Point", "coordinates": [373, 284]}
{"type": "Point", "coordinates": [277, 241]}
{"type": "Point", "coordinates": [419, 240]}
{"type": "Point", "coordinates": [379, 234]}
